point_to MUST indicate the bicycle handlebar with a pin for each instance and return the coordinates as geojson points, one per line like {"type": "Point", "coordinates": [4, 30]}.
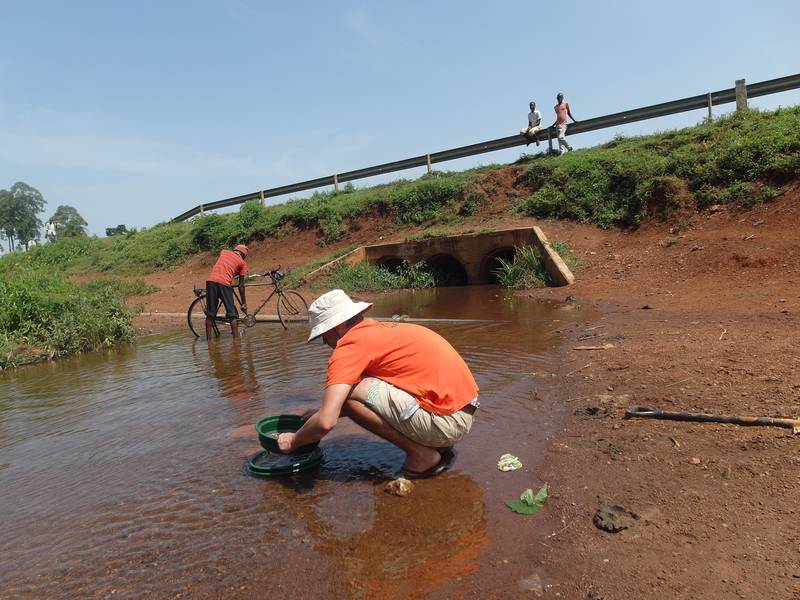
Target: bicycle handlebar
{"type": "Point", "coordinates": [275, 274]}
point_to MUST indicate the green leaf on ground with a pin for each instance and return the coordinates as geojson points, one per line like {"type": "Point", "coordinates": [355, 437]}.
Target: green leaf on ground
{"type": "Point", "coordinates": [529, 503]}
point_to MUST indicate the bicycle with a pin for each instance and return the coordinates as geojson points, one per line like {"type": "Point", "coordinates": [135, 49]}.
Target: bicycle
{"type": "Point", "coordinates": [292, 307]}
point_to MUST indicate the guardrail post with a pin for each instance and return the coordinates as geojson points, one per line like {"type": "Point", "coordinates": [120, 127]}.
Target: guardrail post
{"type": "Point", "coordinates": [428, 156]}
{"type": "Point", "coordinates": [710, 116]}
{"type": "Point", "coordinates": [741, 95]}
{"type": "Point", "coordinates": [263, 201]}
{"type": "Point", "coordinates": [336, 183]}
{"type": "Point", "coordinates": [202, 212]}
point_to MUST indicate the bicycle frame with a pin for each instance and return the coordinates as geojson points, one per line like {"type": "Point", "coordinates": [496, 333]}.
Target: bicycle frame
{"type": "Point", "coordinates": [276, 290]}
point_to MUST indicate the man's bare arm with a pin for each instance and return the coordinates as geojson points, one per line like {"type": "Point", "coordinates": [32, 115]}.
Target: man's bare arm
{"type": "Point", "coordinates": [241, 293]}
{"type": "Point", "coordinates": [569, 112]}
{"type": "Point", "coordinates": [321, 422]}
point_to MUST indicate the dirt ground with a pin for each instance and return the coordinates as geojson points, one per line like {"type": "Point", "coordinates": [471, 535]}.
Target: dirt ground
{"type": "Point", "coordinates": [701, 320]}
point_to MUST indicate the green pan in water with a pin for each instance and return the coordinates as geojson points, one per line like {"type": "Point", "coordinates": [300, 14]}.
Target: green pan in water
{"type": "Point", "coordinates": [275, 464]}
{"type": "Point", "coordinates": [268, 429]}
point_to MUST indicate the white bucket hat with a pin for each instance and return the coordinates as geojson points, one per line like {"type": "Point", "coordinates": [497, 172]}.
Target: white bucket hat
{"type": "Point", "coordinates": [331, 309]}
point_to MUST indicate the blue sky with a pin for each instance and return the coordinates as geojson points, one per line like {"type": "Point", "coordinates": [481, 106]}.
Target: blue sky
{"type": "Point", "coordinates": [135, 112]}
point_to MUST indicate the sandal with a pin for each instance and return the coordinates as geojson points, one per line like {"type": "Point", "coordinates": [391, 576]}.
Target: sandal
{"type": "Point", "coordinates": [435, 470]}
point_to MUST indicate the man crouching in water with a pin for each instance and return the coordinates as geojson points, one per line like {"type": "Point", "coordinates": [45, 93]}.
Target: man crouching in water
{"type": "Point", "coordinates": [402, 382]}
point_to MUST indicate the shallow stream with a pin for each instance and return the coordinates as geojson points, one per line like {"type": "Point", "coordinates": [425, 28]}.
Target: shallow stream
{"type": "Point", "coordinates": [121, 472]}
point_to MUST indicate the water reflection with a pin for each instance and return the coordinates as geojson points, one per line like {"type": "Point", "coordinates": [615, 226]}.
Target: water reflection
{"type": "Point", "coordinates": [411, 546]}
{"type": "Point", "coordinates": [382, 546]}
{"type": "Point", "coordinates": [234, 368]}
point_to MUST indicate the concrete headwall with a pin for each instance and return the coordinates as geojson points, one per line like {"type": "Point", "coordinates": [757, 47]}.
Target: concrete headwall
{"type": "Point", "coordinates": [475, 252]}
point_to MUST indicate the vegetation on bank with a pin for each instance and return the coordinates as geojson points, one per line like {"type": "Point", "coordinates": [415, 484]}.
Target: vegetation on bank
{"type": "Point", "coordinates": [44, 315]}
{"type": "Point", "coordinates": [739, 159]}
{"type": "Point", "coordinates": [526, 269]}
{"type": "Point", "coordinates": [364, 277]}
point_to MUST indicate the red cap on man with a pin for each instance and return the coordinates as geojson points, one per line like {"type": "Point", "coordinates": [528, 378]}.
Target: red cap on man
{"type": "Point", "coordinates": [241, 248]}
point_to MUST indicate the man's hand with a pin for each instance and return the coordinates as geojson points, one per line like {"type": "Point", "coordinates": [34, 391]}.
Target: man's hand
{"type": "Point", "coordinates": [285, 442]}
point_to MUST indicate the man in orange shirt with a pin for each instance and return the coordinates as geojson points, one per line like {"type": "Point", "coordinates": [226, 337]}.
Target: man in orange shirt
{"type": "Point", "coordinates": [402, 382]}
{"type": "Point", "coordinates": [219, 287]}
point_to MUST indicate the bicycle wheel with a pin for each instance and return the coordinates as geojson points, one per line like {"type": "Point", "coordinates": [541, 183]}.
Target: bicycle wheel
{"type": "Point", "coordinates": [292, 310]}
{"type": "Point", "coordinates": [196, 316]}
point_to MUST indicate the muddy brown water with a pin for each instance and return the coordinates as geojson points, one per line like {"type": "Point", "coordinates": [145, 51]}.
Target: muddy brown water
{"type": "Point", "coordinates": [121, 472]}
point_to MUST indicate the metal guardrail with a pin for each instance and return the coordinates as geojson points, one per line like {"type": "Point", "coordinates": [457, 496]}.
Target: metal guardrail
{"type": "Point", "coordinates": [708, 100]}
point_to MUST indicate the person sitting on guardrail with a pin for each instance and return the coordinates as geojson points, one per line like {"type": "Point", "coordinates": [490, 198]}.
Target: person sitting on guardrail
{"type": "Point", "coordinates": [534, 122]}
{"type": "Point", "coordinates": [219, 287]}
{"type": "Point", "coordinates": [562, 112]}
{"type": "Point", "coordinates": [400, 381]}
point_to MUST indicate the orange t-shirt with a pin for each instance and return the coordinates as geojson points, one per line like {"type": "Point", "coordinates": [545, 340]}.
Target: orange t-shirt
{"type": "Point", "coordinates": [410, 357]}
{"type": "Point", "coordinates": [228, 265]}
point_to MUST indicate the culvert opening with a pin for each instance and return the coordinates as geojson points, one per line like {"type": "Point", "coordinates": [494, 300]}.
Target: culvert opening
{"type": "Point", "coordinates": [491, 263]}
{"type": "Point", "coordinates": [390, 263]}
{"type": "Point", "coordinates": [446, 270]}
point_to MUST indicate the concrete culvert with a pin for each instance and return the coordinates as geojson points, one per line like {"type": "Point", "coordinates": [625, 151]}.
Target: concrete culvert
{"type": "Point", "coordinates": [447, 270]}
{"type": "Point", "coordinates": [491, 263]}
{"type": "Point", "coordinates": [390, 263]}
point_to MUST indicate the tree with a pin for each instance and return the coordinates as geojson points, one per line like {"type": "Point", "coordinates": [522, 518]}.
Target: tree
{"type": "Point", "coordinates": [118, 230]}
{"type": "Point", "coordinates": [68, 222]}
{"type": "Point", "coordinates": [19, 209]}
{"type": "Point", "coordinates": [6, 218]}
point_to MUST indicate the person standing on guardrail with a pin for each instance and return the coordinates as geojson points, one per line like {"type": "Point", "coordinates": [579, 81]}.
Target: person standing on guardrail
{"type": "Point", "coordinates": [562, 112]}
{"type": "Point", "coordinates": [219, 287]}
{"type": "Point", "coordinates": [534, 122]}
{"type": "Point", "coordinates": [402, 382]}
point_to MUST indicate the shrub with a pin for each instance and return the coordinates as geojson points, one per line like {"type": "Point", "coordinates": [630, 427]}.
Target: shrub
{"type": "Point", "coordinates": [472, 204]}
{"type": "Point", "coordinates": [547, 202]}
{"type": "Point", "coordinates": [424, 200]}
{"type": "Point", "coordinates": [525, 270]}
{"type": "Point", "coordinates": [364, 277]}
{"type": "Point", "coordinates": [741, 194]}
{"type": "Point", "coordinates": [43, 314]}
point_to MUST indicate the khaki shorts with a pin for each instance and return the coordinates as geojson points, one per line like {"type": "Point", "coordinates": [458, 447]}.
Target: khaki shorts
{"type": "Point", "coordinates": [533, 129]}
{"type": "Point", "coordinates": [393, 405]}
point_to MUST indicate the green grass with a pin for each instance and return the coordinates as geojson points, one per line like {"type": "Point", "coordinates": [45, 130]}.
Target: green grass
{"type": "Point", "coordinates": [364, 277]}
{"type": "Point", "coordinates": [525, 270]}
{"type": "Point", "coordinates": [44, 315]}
{"type": "Point", "coordinates": [733, 160]}
{"type": "Point", "coordinates": [295, 276]}
{"type": "Point", "coordinates": [428, 235]}
{"type": "Point", "coordinates": [567, 255]}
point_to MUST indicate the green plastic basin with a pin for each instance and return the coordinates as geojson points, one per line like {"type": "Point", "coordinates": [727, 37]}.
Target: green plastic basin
{"type": "Point", "coordinates": [268, 429]}
{"type": "Point", "coordinates": [272, 464]}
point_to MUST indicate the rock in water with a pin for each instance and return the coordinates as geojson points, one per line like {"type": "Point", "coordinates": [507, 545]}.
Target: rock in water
{"type": "Point", "coordinates": [399, 487]}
